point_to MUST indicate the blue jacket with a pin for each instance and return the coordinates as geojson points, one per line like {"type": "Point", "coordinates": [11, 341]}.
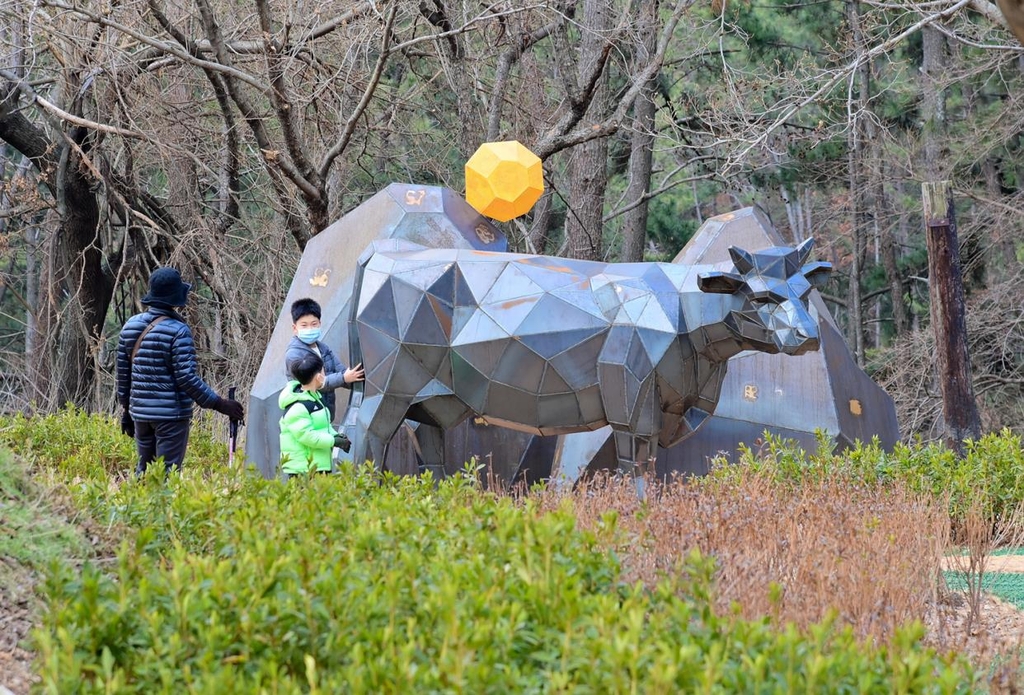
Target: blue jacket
{"type": "Point", "coordinates": [163, 382]}
{"type": "Point", "coordinates": [333, 369]}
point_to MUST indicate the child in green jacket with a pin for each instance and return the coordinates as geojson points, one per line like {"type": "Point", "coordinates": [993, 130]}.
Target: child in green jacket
{"type": "Point", "coordinates": [307, 436]}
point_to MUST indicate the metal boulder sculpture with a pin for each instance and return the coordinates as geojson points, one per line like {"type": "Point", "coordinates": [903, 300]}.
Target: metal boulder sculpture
{"type": "Point", "coordinates": [551, 346]}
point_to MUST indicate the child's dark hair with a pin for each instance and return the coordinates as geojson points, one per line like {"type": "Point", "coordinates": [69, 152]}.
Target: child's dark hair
{"type": "Point", "coordinates": [305, 307]}
{"type": "Point", "coordinates": [307, 367]}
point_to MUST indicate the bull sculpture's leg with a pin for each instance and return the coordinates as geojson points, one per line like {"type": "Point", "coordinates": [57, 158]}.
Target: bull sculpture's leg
{"type": "Point", "coordinates": [636, 446]}
{"type": "Point", "coordinates": [636, 456]}
{"type": "Point", "coordinates": [377, 422]}
{"type": "Point", "coordinates": [430, 449]}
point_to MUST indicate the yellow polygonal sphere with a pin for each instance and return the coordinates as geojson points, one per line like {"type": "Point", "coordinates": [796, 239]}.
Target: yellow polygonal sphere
{"type": "Point", "coordinates": [503, 180]}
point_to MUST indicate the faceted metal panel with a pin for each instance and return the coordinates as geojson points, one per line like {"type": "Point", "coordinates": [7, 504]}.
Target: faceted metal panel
{"type": "Point", "coordinates": [612, 372]}
{"type": "Point", "coordinates": [790, 396]}
{"type": "Point", "coordinates": [428, 215]}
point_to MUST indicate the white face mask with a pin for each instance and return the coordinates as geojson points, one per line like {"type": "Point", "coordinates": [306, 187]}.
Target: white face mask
{"type": "Point", "coordinates": [308, 335]}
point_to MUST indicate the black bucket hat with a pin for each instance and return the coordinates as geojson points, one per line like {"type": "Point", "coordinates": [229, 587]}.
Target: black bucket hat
{"type": "Point", "coordinates": [166, 288]}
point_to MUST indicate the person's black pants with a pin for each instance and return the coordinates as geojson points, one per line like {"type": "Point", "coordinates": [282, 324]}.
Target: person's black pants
{"type": "Point", "coordinates": [166, 438]}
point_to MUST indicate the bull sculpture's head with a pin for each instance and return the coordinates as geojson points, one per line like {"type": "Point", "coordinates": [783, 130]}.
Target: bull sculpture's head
{"type": "Point", "coordinates": [775, 284]}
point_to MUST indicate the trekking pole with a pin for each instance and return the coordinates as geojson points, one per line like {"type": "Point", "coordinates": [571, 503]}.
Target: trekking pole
{"type": "Point", "coordinates": [232, 432]}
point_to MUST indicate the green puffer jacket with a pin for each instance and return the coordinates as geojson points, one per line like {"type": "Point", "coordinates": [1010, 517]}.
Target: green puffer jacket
{"type": "Point", "coordinates": [307, 436]}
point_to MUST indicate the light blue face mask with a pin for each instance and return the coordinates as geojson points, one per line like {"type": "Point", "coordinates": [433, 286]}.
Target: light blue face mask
{"type": "Point", "coordinates": [308, 335]}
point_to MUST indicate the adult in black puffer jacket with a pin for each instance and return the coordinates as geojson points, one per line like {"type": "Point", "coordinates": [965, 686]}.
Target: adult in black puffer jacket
{"type": "Point", "coordinates": [158, 385]}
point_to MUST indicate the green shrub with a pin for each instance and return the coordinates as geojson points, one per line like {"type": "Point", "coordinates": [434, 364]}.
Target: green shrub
{"type": "Point", "coordinates": [992, 471]}
{"type": "Point", "coordinates": [341, 585]}
{"type": "Point", "coordinates": [33, 531]}
{"type": "Point", "coordinates": [224, 582]}
{"type": "Point", "coordinates": [81, 447]}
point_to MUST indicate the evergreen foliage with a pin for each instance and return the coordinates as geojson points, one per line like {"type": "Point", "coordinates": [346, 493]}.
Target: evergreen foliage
{"type": "Point", "coordinates": [225, 582]}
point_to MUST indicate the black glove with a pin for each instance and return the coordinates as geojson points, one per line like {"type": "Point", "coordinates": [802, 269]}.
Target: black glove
{"type": "Point", "coordinates": [233, 409]}
{"type": "Point", "coordinates": [127, 424]}
{"type": "Point", "coordinates": [342, 442]}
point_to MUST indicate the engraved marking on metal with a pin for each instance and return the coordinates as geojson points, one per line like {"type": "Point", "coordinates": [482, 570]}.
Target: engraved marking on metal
{"type": "Point", "coordinates": [320, 277]}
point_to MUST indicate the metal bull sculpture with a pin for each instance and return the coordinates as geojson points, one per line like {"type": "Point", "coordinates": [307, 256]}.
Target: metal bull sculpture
{"type": "Point", "coordinates": [551, 345]}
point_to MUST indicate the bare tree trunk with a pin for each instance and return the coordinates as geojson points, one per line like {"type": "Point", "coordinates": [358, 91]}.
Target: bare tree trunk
{"type": "Point", "coordinates": [588, 173]}
{"type": "Point", "coordinates": [588, 179]}
{"type": "Point", "coordinates": [537, 237]}
{"type": "Point", "coordinates": [79, 292]}
{"type": "Point", "coordinates": [634, 221]}
{"type": "Point", "coordinates": [885, 229]}
{"type": "Point", "coordinates": [856, 327]}
{"type": "Point", "coordinates": [794, 213]}
{"type": "Point", "coordinates": [860, 204]}
{"type": "Point", "coordinates": [1000, 253]}
{"type": "Point", "coordinates": [959, 409]}
{"type": "Point", "coordinates": [31, 287]}
{"type": "Point", "coordinates": [933, 102]}
{"type": "Point", "coordinates": [876, 192]}
{"type": "Point", "coordinates": [641, 154]}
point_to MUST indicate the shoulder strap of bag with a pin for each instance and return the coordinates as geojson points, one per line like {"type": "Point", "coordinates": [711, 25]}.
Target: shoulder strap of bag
{"type": "Point", "coordinates": [312, 406]}
{"type": "Point", "coordinates": [138, 343]}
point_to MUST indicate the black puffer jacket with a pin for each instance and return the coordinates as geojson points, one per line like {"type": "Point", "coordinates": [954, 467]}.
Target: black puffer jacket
{"type": "Point", "coordinates": [163, 382]}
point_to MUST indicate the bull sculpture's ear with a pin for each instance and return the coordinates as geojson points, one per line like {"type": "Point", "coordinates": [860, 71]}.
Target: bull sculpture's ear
{"type": "Point", "coordinates": [717, 282]}
{"type": "Point", "coordinates": [817, 273]}
{"type": "Point", "coordinates": [743, 261]}
{"type": "Point", "coordinates": [803, 251]}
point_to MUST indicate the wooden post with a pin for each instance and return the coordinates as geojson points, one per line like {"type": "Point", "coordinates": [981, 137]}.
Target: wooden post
{"type": "Point", "coordinates": [946, 292]}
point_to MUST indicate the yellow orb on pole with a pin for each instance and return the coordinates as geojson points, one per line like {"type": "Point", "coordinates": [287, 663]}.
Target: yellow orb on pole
{"type": "Point", "coordinates": [503, 180]}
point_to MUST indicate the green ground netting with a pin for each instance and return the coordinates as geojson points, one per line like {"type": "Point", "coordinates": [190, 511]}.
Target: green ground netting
{"type": "Point", "coordinates": [1014, 550]}
{"type": "Point", "coordinates": [1008, 586]}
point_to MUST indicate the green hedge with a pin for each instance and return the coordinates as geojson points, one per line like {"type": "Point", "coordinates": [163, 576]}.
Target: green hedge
{"type": "Point", "coordinates": [992, 472]}
{"type": "Point", "coordinates": [225, 582]}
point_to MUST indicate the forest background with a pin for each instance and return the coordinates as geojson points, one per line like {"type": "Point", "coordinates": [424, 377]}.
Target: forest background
{"type": "Point", "coordinates": [220, 137]}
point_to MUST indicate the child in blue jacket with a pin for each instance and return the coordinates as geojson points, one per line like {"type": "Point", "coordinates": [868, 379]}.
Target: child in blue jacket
{"type": "Point", "coordinates": [306, 341]}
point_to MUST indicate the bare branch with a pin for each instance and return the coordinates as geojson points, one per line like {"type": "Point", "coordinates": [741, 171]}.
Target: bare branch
{"type": "Point", "coordinates": [52, 108]}
{"type": "Point", "coordinates": [371, 87]}
{"type": "Point", "coordinates": [229, 170]}
{"type": "Point", "coordinates": [272, 156]}
{"type": "Point", "coordinates": [283, 107]}
{"type": "Point", "coordinates": [504, 69]}
{"type": "Point", "coordinates": [559, 137]}
{"type": "Point", "coordinates": [25, 136]}
{"type": "Point", "coordinates": [162, 46]}
{"type": "Point", "coordinates": [838, 77]}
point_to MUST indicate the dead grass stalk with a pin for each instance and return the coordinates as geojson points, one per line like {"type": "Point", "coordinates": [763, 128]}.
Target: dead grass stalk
{"type": "Point", "coordinates": [794, 553]}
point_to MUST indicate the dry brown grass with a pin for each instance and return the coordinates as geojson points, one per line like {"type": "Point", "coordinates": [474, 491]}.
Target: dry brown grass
{"type": "Point", "coordinates": [793, 553]}
{"type": "Point", "coordinates": [873, 555]}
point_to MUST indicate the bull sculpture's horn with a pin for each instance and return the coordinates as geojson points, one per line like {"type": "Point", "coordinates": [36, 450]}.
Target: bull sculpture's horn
{"type": "Point", "coordinates": [804, 250]}
{"type": "Point", "coordinates": [743, 261]}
